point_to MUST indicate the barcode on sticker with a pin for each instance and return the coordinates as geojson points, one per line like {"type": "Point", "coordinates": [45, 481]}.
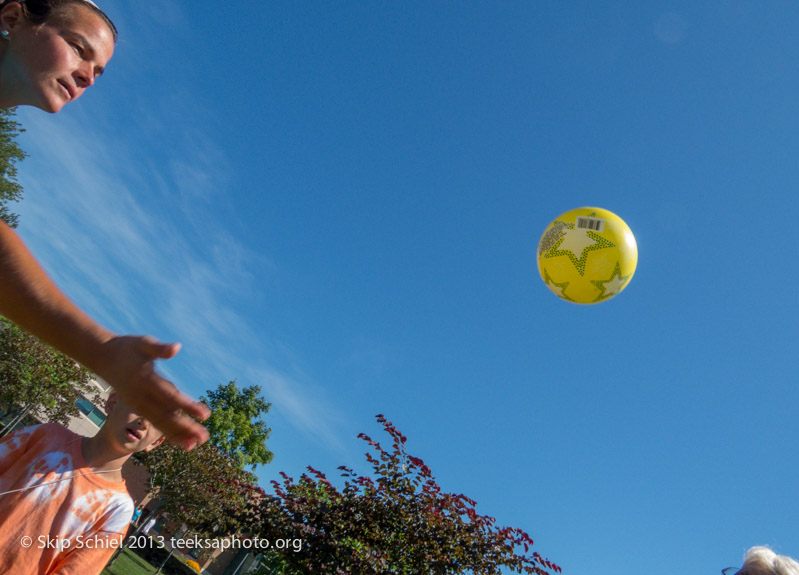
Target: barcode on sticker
{"type": "Point", "coordinates": [593, 224]}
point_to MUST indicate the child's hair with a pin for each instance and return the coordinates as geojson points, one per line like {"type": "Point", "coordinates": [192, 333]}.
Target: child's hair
{"type": "Point", "coordinates": [39, 11]}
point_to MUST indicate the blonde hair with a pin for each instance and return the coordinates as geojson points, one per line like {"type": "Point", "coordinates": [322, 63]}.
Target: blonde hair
{"type": "Point", "coordinates": [763, 561]}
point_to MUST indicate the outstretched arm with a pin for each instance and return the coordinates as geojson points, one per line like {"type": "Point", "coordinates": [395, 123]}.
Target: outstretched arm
{"type": "Point", "coordinates": [29, 298]}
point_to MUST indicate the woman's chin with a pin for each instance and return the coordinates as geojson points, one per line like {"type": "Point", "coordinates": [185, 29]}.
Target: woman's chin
{"type": "Point", "coordinates": [50, 103]}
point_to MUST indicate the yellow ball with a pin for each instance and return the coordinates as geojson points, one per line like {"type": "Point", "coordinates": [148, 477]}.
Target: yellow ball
{"type": "Point", "coordinates": [587, 255]}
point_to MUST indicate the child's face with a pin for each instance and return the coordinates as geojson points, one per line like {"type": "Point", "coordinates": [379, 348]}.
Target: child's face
{"type": "Point", "coordinates": [131, 431]}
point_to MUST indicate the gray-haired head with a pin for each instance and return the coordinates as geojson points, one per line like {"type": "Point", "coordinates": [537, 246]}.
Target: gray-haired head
{"type": "Point", "coordinates": [763, 561]}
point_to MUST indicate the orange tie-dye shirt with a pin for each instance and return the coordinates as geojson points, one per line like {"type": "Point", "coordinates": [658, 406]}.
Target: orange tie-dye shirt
{"type": "Point", "coordinates": [70, 527]}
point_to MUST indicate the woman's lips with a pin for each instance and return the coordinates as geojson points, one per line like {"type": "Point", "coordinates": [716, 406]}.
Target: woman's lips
{"type": "Point", "coordinates": [70, 92]}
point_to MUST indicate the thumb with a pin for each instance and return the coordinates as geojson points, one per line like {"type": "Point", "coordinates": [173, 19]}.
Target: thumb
{"type": "Point", "coordinates": [158, 350]}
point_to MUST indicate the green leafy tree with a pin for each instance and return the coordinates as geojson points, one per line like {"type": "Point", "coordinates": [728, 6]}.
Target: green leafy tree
{"type": "Point", "coordinates": [398, 521]}
{"type": "Point", "coordinates": [203, 489]}
{"type": "Point", "coordinates": [201, 492]}
{"type": "Point", "coordinates": [207, 490]}
{"type": "Point", "coordinates": [235, 425]}
{"type": "Point", "coordinates": [10, 154]}
{"type": "Point", "coordinates": [37, 379]}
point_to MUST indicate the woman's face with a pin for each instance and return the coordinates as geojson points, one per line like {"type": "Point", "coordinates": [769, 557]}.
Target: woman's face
{"type": "Point", "coordinates": [51, 64]}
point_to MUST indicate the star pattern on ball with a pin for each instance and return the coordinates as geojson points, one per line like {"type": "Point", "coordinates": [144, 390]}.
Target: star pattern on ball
{"type": "Point", "coordinates": [558, 288]}
{"type": "Point", "coordinates": [578, 241]}
{"type": "Point", "coordinates": [611, 286]}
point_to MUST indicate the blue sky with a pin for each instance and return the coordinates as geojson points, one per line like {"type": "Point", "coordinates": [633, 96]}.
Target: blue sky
{"type": "Point", "coordinates": [341, 203]}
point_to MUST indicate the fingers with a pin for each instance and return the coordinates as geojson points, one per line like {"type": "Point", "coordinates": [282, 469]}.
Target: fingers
{"type": "Point", "coordinates": [191, 434]}
{"type": "Point", "coordinates": [183, 402]}
{"type": "Point", "coordinates": [178, 409]}
{"type": "Point", "coordinates": [130, 362]}
{"type": "Point", "coordinates": [171, 417]}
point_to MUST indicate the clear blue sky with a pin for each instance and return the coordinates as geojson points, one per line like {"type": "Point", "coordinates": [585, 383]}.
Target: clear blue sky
{"type": "Point", "coordinates": [341, 202]}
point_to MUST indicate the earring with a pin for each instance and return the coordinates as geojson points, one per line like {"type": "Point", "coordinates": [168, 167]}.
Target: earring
{"type": "Point", "coordinates": [4, 33]}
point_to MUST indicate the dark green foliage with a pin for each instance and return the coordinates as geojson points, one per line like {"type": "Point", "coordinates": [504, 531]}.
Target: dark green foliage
{"type": "Point", "coordinates": [203, 489]}
{"type": "Point", "coordinates": [10, 154]}
{"type": "Point", "coordinates": [37, 379]}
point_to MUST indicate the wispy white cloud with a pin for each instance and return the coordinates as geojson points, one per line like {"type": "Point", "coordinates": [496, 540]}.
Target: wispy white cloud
{"type": "Point", "coordinates": [135, 242]}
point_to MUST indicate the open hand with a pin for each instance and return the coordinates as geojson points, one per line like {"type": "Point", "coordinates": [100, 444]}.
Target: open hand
{"type": "Point", "coordinates": [128, 365]}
